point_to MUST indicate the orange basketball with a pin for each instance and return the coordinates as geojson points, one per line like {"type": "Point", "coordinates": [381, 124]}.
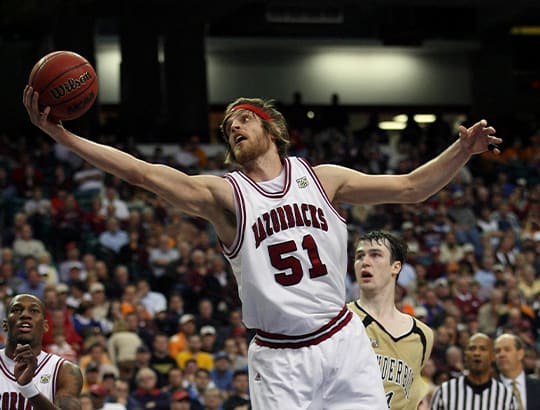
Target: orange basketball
{"type": "Point", "coordinates": [66, 82]}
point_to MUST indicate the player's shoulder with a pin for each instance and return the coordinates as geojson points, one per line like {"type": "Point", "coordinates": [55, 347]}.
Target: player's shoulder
{"type": "Point", "coordinates": [423, 327]}
{"type": "Point", "coordinates": [355, 307]}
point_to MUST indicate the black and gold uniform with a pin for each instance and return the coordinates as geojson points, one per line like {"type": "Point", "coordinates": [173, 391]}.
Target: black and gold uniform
{"type": "Point", "coordinates": [400, 359]}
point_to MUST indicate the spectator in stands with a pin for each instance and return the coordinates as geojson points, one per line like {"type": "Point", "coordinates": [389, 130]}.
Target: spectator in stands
{"type": "Point", "coordinates": [112, 206]}
{"type": "Point", "coordinates": [153, 301]}
{"type": "Point", "coordinates": [112, 240]}
{"type": "Point", "coordinates": [528, 283]}
{"type": "Point", "coordinates": [13, 231]}
{"type": "Point", "coordinates": [96, 353]}
{"type": "Point", "coordinates": [34, 283]}
{"type": "Point", "coordinates": [485, 274]}
{"type": "Point", "coordinates": [490, 311]}
{"type": "Point", "coordinates": [61, 347]}
{"type": "Point", "coordinates": [196, 278]}
{"type": "Point", "coordinates": [167, 321]}
{"type": "Point", "coordinates": [238, 361]}
{"type": "Point", "coordinates": [7, 272]}
{"type": "Point", "coordinates": [72, 259]}
{"type": "Point", "coordinates": [198, 388]}
{"type": "Point", "coordinates": [26, 177]}
{"type": "Point", "coordinates": [84, 321]}
{"type": "Point", "coordinates": [122, 344]}
{"type": "Point", "coordinates": [464, 220]}
{"type": "Point", "coordinates": [454, 361]}
{"type": "Point", "coordinates": [88, 179]}
{"type": "Point", "coordinates": [27, 245]}
{"type": "Point", "coordinates": [120, 279]}
{"type": "Point", "coordinates": [142, 360]}
{"type": "Point", "coordinates": [193, 351]}
{"type": "Point", "coordinates": [175, 381]}
{"type": "Point", "coordinates": [119, 394]}
{"type": "Point", "coordinates": [38, 211]}
{"type": "Point", "coordinates": [206, 314]}
{"type": "Point", "coordinates": [222, 373]}
{"type": "Point", "coordinates": [47, 268]}
{"type": "Point", "coordinates": [91, 377]}
{"type": "Point", "coordinates": [101, 305]}
{"type": "Point", "coordinates": [433, 306]}
{"type": "Point", "coordinates": [213, 399]}
{"type": "Point", "coordinates": [240, 392]}
{"type": "Point", "coordinates": [507, 251]}
{"type": "Point", "coordinates": [186, 327]}
{"type": "Point", "coordinates": [160, 257]}
{"type": "Point", "coordinates": [180, 400]}
{"type": "Point", "coordinates": [129, 299]}
{"type": "Point", "coordinates": [147, 394]}
{"type": "Point", "coordinates": [209, 339]}
{"type": "Point", "coordinates": [66, 225]}
{"type": "Point", "coordinates": [134, 255]}
{"type": "Point", "coordinates": [464, 300]}
{"type": "Point", "coordinates": [160, 360]}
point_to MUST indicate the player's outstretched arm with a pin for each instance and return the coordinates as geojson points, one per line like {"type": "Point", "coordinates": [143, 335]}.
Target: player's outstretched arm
{"type": "Point", "coordinates": [207, 196]}
{"type": "Point", "coordinates": [350, 186]}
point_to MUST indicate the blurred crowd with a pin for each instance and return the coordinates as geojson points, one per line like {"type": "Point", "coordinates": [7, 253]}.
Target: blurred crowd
{"type": "Point", "coordinates": [139, 295]}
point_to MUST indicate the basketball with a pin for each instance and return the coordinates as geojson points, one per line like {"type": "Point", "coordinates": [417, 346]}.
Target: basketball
{"type": "Point", "coordinates": [66, 82]}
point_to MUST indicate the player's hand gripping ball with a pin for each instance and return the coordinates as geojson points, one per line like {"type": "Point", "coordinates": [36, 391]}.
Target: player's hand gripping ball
{"type": "Point", "coordinates": [66, 82]}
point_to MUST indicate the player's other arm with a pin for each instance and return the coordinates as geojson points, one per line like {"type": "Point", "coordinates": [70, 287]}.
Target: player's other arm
{"type": "Point", "coordinates": [350, 186]}
{"type": "Point", "coordinates": [69, 386]}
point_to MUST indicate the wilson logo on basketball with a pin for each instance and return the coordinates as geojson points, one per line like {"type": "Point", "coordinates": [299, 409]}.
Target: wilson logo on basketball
{"type": "Point", "coordinates": [70, 85]}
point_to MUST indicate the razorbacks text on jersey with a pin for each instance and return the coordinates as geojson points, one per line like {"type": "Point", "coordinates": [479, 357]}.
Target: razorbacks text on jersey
{"type": "Point", "coordinates": [45, 378]}
{"type": "Point", "coordinates": [287, 256]}
{"type": "Point", "coordinates": [400, 359]}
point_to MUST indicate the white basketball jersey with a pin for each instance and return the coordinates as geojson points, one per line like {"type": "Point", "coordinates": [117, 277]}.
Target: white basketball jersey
{"type": "Point", "coordinates": [289, 256]}
{"type": "Point", "coordinates": [45, 378]}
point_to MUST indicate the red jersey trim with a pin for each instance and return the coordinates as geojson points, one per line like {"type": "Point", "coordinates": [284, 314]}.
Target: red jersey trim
{"type": "Point", "coordinates": [319, 185]}
{"type": "Point", "coordinates": [279, 341]}
{"type": "Point", "coordinates": [232, 252]}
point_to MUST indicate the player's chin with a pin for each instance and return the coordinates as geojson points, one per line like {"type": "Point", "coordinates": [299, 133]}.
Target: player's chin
{"type": "Point", "coordinates": [24, 339]}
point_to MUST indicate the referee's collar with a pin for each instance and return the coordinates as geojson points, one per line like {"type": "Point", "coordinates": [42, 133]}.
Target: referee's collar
{"type": "Point", "coordinates": [478, 388]}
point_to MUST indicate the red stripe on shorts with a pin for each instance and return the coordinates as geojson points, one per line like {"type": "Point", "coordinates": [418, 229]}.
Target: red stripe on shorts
{"type": "Point", "coordinates": [279, 341]}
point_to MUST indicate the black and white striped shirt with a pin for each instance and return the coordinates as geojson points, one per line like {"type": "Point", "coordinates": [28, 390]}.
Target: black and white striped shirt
{"type": "Point", "coordinates": [461, 394]}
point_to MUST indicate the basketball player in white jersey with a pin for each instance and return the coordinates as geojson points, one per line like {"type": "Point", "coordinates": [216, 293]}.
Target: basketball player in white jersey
{"type": "Point", "coordinates": [31, 378]}
{"type": "Point", "coordinates": [276, 220]}
{"type": "Point", "coordinates": [401, 342]}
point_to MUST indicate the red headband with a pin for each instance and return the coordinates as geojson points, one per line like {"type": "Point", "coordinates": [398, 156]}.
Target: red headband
{"type": "Point", "coordinates": [259, 111]}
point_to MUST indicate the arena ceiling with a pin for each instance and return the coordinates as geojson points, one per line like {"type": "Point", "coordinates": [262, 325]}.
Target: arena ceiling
{"type": "Point", "coordinates": [396, 22]}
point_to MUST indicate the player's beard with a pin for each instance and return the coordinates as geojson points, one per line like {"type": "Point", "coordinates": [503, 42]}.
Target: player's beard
{"type": "Point", "coordinates": [252, 149]}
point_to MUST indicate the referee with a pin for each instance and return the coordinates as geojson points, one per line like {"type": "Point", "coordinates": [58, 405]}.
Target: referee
{"type": "Point", "coordinates": [478, 389]}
